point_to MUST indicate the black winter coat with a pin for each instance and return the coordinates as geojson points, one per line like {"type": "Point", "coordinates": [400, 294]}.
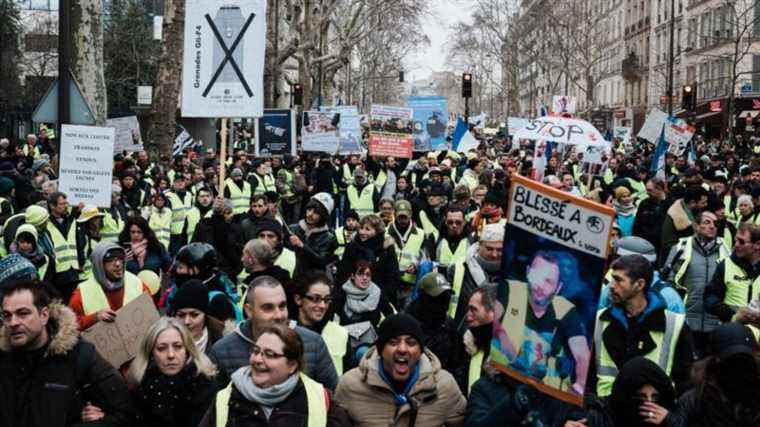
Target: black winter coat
{"type": "Point", "coordinates": [318, 248]}
{"type": "Point", "coordinates": [380, 251]}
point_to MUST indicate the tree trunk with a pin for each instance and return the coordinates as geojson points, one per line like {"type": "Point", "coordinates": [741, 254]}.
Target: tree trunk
{"type": "Point", "coordinates": [87, 55]}
{"type": "Point", "coordinates": [168, 81]}
{"type": "Point", "coordinates": [304, 61]}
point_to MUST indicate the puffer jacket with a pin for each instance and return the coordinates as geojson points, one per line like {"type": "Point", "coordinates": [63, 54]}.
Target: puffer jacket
{"type": "Point", "coordinates": [318, 248]}
{"type": "Point", "coordinates": [50, 386]}
{"type": "Point", "coordinates": [233, 351]}
{"type": "Point", "coordinates": [370, 402]}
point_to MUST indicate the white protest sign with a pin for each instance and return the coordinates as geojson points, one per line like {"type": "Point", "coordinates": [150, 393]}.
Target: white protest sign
{"type": "Point", "coordinates": [563, 104]}
{"type": "Point", "coordinates": [516, 123]}
{"type": "Point", "coordinates": [319, 132]}
{"type": "Point", "coordinates": [127, 129]}
{"type": "Point", "coordinates": [652, 128]}
{"type": "Point", "coordinates": [87, 164]}
{"type": "Point", "coordinates": [678, 134]}
{"type": "Point", "coordinates": [223, 65]}
{"type": "Point", "coordinates": [562, 130]}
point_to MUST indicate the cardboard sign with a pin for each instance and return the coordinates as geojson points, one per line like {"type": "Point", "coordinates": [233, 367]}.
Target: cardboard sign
{"type": "Point", "coordinates": [555, 251]}
{"type": "Point", "coordinates": [390, 131]}
{"type": "Point", "coordinates": [223, 61]}
{"type": "Point", "coordinates": [118, 341]}
{"type": "Point", "coordinates": [276, 133]}
{"type": "Point", "coordinates": [127, 134]}
{"type": "Point", "coordinates": [562, 130]}
{"type": "Point", "coordinates": [319, 132]}
{"type": "Point", "coordinates": [87, 164]}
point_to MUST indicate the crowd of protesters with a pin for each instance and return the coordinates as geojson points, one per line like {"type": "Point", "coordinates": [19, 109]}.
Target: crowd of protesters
{"type": "Point", "coordinates": [322, 289]}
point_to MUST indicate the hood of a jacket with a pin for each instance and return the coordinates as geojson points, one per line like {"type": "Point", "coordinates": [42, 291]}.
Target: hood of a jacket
{"type": "Point", "coordinates": [62, 328]}
{"type": "Point", "coordinates": [98, 272]}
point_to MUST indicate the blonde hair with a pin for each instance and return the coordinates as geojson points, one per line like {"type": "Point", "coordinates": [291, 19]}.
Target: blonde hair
{"type": "Point", "coordinates": [145, 351]}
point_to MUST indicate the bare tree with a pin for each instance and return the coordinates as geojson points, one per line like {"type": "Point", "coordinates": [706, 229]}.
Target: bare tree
{"type": "Point", "coordinates": [87, 54]}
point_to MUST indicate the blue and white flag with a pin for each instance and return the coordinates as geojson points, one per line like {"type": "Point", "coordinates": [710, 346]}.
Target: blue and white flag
{"type": "Point", "coordinates": [692, 158]}
{"type": "Point", "coordinates": [658, 161]}
{"type": "Point", "coordinates": [462, 140]}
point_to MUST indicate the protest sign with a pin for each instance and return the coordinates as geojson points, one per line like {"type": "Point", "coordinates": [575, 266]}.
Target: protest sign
{"type": "Point", "coordinates": [624, 135]}
{"type": "Point", "coordinates": [319, 132]}
{"type": "Point", "coordinates": [516, 123]}
{"type": "Point", "coordinates": [118, 341]}
{"type": "Point", "coordinates": [563, 104]}
{"type": "Point", "coordinates": [555, 249]}
{"type": "Point", "coordinates": [560, 129]}
{"type": "Point", "coordinates": [678, 134]}
{"type": "Point", "coordinates": [390, 131]}
{"type": "Point", "coordinates": [349, 129]}
{"type": "Point", "coordinates": [87, 164]}
{"type": "Point", "coordinates": [127, 136]}
{"type": "Point", "coordinates": [223, 65]}
{"type": "Point", "coordinates": [430, 122]}
{"type": "Point", "coordinates": [652, 128]}
{"type": "Point", "coordinates": [276, 133]}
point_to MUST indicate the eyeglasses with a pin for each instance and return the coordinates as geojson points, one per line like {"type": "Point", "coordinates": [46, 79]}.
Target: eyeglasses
{"type": "Point", "coordinates": [316, 299]}
{"type": "Point", "coordinates": [364, 274]}
{"type": "Point", "coordinates": [267, 353]}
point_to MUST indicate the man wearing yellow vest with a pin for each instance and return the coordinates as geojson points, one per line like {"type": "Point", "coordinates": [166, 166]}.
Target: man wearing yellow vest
{"type": "Point", "coordinates": [239, 191]}
{"type": "Point", "coordinates": [481, 312]}
{"type": "Point", "coordinates": [454, 240]}
{"type": "Point", "coordinates": [270, 231]}
{"type": "Point", "coordinates": [346, 233]}
{"type": "Point", "coordinates": [313, 298]}
{"type": "Point", "coordinates": [31, 148]}
{"type": "Point", "coordinates": [110, 288]}
{"type": "Point", "coordinates": [89, 225]}
{"type": "Point", "coordinates": [638, 324]}
{"type": "Point", "coordinates": [734, 292]}
{"type": "Point", "coordinates": [409, 242]}
{"type": "Point", "coordinates": [362, 194]}
{"type": "Point", "coordinates": [261, 180]}
{"type": "Point", "coordinates": [180, 201]}
{"type": "Point", "coordinates": [430, 214]}
{"type": "Point", "coordinates": [61, 231]}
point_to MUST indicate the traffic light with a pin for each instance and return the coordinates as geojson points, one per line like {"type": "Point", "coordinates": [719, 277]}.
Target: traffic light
{"type": "Point", "coordinates": [401, 77]}
{"type": "Point", "coordinates": [467, 85]}
{"type": "Point", "coordinates": [687, 98]}
{"type": "Point", "coordinates": [297, 94]}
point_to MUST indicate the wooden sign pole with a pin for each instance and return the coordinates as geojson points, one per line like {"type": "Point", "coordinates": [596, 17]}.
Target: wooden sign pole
{"type": "Point", "coordinates": [223, 157]}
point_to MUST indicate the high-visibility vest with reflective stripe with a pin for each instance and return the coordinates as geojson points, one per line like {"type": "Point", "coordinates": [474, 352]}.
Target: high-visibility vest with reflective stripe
{"type": "Point", "coordinates": [362, 204]}
{"type": "Point", "coordinates": [381, 179]}
{"type": "Point", "coordinates": [193, 218]}
{"type": "Point", "coordinates": [94, 299]}
{"type": "Point", "coordinates": [241, 198]}
{"type": "Point", "coordinates": [65, 248]}
{"type": "Point", "coordinates": [87, 268]}
{"type": "Point", "coordinates": [264, 183]}
{"type": "Point", "coordinates": [179, 210]}
{"type": "Point", "coordinates": [608, 176]}
{"type": "Point", "coordinates": [111, 228]}
{"type": "Point", "coordinates": [316, 403]}
{"type": "Point", "coordinates": [409, 254]}
{"type": "Point", "coordinates": [731, 215]}
{"type": "Point", "coordinates": [456, 288]}
{"type": "Point", "coordinates": [662, 354]}
{"type": "Point", "coordinates": [686, 245]}
{"type": "Point", "coordinates": [427, 225]}
{"type": "Point", "coordinates": [287, 261]}
{"type": "Point", "coordinates": [445, 257]}
{"type": "Point", "coordinates": [513, 323]}
{"type": "Point", "coordinates": [35, 152]}
{"type": "Point", "coordinates": [476, 367]}
{"type": "Point", "coordinates": [288, 193]}
{"type": "Point", "coordinates": [336, 340]}
{"type": "Point", "coordinates": [740, 289]}
{"type": "Point", "coordinates": [341, 237]}
{"type": "Point", "coordinates": [160, 223]}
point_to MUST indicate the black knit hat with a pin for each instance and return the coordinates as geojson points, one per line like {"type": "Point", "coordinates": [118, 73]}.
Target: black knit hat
{"type": "Point", "coordinates": [397, 325]}
{"type": "Point", "coordinates": [193, 294]}
{"type": "Point", "coordinates": [352, 214]}
{"type": "Point", "coordinates": [268, 224]}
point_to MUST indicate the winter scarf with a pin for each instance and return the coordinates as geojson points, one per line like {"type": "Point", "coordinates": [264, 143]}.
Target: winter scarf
{"type": "Point", "coordinates": [202, 342]}
{"type": "Point", "coordinates": [268, 397]}
{"type": "Point", "coordinates": [360, 301]}
{"type": "Point", "coordinates": [309, 231]}
{"type": "Point", "coordinates": [624, 210]}
{"type": "Point", "coordinates": [139, 250]}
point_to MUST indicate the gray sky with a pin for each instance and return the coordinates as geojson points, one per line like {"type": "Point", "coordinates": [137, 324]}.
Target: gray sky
{"type": "Point", "coordinates": [421, 63]}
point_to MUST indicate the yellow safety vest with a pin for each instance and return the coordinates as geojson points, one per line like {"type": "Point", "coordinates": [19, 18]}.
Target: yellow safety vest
{"type": "Point", "coordinates": [469, 181]}
{"type": "Point", "coordinates": [445, 257]}
{"type": "Point", "coordinates": [193, 218]}
{"type": "Point", "coordinates": [662, 355]}
{"type": "Point", "coordinates": [336, 340]}
{"type": "Point", "coordinates": [381, 179]}
{"type": "Point", "coordinates": [65, 249]}
{"type": "Point", "coordinates": [513, 323]}
{"type": "Point", "coordinates": [740, 289]}
{"type": "Point", "coordinates": [315, 401]}
{"type": "Point", "coordinates": [287, 261]}
{"type": "Point", "coordinates": [87, 268]}
{"type": "Point", "coordinates": [347, 175]}
{"type": "Point", "coordinates": [686, 245]}
{"type": "Point", "coordinates": [241, 198]}
{"type": "Point", "coordinates": [362, 204]}
{"type": "Point", "coordinates": [731, 215]}
{"type": "Point", "coordinates": [608, 176]}
{"type": "Point", "coordinates": [35, 153]}
{"type": "Point", "coordinates": [341, 237]}
{"type": "Point", "coordinates": [428, 226]}
{"type": "Point", "coordinates": [409, 254]}
{"type": "Point", "coordinates": [179, 211]}
{"type": "Point", "coordinates": [476, 367]}
{"type": "Point", "coordinates": [265, 183]}
{"type": "Point", "coordinates": [160, 223]}
{"type": "Point", "coordinates": [94, 299]}
{"type": "Point", "coordinates": [111, 228]}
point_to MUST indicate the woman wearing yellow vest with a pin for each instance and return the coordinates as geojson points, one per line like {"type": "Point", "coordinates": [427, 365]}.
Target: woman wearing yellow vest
{"type": "Point", "coordinates": [272, 390]}
{"type": "Point", "coordinates": [160, 219]}
{"type": "Point", "coordinates": [171, 381]}
{"type": "Point", "coordinates": [110, 288]}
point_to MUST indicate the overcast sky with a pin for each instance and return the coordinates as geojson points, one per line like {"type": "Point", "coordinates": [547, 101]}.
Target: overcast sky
{"type": "Point", "coordinates": [421, 63]}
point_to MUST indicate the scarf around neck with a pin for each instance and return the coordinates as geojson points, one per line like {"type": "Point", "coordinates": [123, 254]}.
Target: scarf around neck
{"type": "Point", "coordinates": [202, 342]}
{"type": "Point", "coordinates": [360, 301]}
{"type": "Point", "coordinates": [266, 397]}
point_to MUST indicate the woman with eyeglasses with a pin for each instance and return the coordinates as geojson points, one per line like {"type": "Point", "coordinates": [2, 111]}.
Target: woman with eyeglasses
{"type": "Point", "coordinates": [171, 381]}
{"type": "Point", "coordinates": [272, 390]}
{"type": "Point", "coordinates": [362, 300]}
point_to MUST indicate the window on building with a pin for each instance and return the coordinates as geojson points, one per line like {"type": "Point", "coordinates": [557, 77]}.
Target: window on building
{"type": "Point", "coordinates": [38, 4]}
{"type": "Point", "coordinates": [40, 42]}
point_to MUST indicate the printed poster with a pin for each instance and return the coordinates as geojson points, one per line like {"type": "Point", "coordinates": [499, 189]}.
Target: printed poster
{"type": "Point", "coordinates": [276, 133]}
{"type": "Point", "coordinates": [319, 131]}
{"type": "Point", "coordinates": [127, 134]}
{"type": "Point", "coordinates": [678, 134]}
{"type": "Point", "coordinates": [430, 122]}
{"type": "Point", "coordinates": [87, 164]}
{"type": "Point", "coordinates": [223, 61]}
{"type": "Point", "coordinates": [390, 131]}
{"type": "Point", "coordinates": [563, 104]}
{"type": "Point", "coordinates": [554, 254]}
{"type": "Point", "coordinates": [349, 129]}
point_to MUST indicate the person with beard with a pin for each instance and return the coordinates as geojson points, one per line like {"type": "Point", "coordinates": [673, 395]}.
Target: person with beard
{"type": "Point", "coordinates": [482, 310]}
{"type": "Point", "coordinates": [409, 245]}
{"type": "Point", "coordinates": [642, 395]}
{"type": "Point", "coordinates": [452, 244]}
{"type": "Point", "coordinates": [311, 239]}
{"type": "Point", "coordinates": [346, 233]}
{"type": "Point", "coordinates": [438, 329]}
{"type": "Point", "coordinates": [133, 197]}
{"type": "Point", "coordinates": [26, 246]}
{"type": "Point", "coordinates": [431, 211]}
{"type": "Point", "coordinates": [727, 391]}
{"type": "Point", "coordinates": [239, 191]}
{"type": "Point", "coordinates": [482, 265]}
{"type": "Point", "coordinates": [372, 245]}
{"type": "Point", "coordinates": [203, 208]}
{"type": "Point", "coordinates": [248, 225]}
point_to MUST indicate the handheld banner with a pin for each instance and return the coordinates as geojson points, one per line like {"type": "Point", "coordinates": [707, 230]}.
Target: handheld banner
{"type": "Point", "coordinates": [319, 131]}
{"type": "Point", "coordinates": [678, 134]}
{"type": "Point", "coordinates": [87, 164]}
{"type": "Point", "coordinates": [276, 133]}
{"type": "Point", "coordinates": [390, 132]}
{"type": "Point", "coordinates": [127, 134]}
{"type": "Point", "coordinates": [223, 61]}
{"type": "Point", "coordinates": [430, 122]}
{"type": "Point", "coordinates": [652, 128]}
{"type": "Point", "coordinates": [555, 249]}
{"type": "Point", "coordinates": [560, 129]}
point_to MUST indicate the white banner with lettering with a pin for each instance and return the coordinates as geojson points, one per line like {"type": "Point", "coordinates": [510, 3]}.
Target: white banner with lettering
{"type": "Point", "coordinates": [87, 164]}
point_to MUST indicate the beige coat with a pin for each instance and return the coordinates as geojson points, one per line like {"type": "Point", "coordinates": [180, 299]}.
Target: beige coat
{"type": "Point", "coordinates": [369, 400]}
